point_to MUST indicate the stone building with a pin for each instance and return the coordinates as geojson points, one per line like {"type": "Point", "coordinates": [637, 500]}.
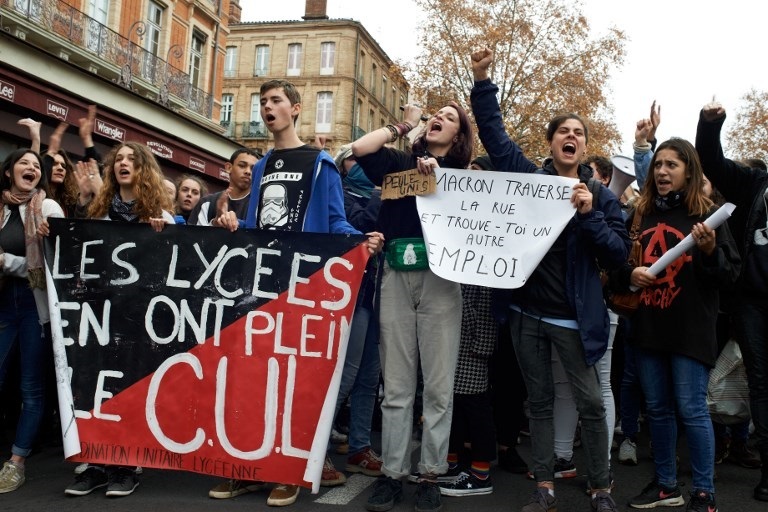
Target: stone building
{"type": "Point", "coordinates": [348, 84]}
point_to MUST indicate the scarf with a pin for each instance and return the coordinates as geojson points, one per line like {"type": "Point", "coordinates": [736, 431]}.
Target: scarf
{"type": "Point", "coordinates": [33, 217]}
{"type": "Point", "coordinates": [357, 182]}
{"type": "Point", "coordinates": [120, 210]}
{"type": "Point", "coordinates": [669, 201]}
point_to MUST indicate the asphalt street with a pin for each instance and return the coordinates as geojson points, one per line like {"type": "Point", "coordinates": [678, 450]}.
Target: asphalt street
{"type": "Point", "coordinates": [169, 491]}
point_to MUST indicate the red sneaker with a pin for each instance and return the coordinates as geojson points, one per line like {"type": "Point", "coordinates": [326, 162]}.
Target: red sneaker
{"type": "Point", "coordinates": [331, 477]}
{"type": "Point", "coordinates": [366, 462]}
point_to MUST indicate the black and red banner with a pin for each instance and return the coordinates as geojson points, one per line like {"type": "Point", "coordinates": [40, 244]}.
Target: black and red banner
{"type": "Point", "coordinates": [198, 349]}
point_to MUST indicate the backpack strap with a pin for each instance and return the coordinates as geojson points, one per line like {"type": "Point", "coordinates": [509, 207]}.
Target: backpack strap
{"type": "Point", "coordinates": [594, 187]}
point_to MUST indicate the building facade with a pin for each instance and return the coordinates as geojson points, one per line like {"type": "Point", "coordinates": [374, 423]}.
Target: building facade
{"type": "Point", "coordinates": [153, 68]}
{"type": "Point", "coordinates": [348, 84]}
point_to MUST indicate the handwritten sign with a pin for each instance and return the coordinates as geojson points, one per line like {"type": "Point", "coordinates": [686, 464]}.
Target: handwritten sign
{"type": "Point", "coordinates": [201, 350]}
{"type": "Point", "coordinates": [407, 183]}
{"type": "Point", "coordinates": [493, 228]}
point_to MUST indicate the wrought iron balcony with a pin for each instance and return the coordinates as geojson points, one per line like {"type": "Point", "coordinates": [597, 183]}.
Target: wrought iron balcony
{"type": "Point", "coordinates": [229, 128]}
{"type": "Point", "coordinates": [59, 28]}
{"type": "Point", "coordinates": [253, 130]}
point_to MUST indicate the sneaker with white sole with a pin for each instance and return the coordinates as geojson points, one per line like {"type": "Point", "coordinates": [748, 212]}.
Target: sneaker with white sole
{"type": "Point", "coordinates": [628, 452]}
{"type": "Point", "coordinates": [447, 477]}
{"type": "Point", "coordinates": [467, 484]}
{"type": "Point", "coordinates": [656, 495]}
{"type": "Point", "coordinates": [365, 461]}
{"type": "Point", "coordinates": [92, 478]}
{"type": "Point", "coordinates": [233, 488]}
{"type": "Point", "coordinates": [565, 468]}
{"type": "Point", "coordinates": [338, 437]}
{"type": "Point", "coordinates": [331, 477]}
{"type": "Point", "coordinates": [11, 477]}
{"type": "Point", "coordinates": [122, 481]}
{"type": "Point", "coordinates": [283, 495]}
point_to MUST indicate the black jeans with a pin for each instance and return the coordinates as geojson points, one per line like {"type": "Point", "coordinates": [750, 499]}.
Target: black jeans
{"type": "Point", "coordinates": [752, 335]}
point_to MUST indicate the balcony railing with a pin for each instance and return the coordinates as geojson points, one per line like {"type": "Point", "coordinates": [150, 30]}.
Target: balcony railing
{"type": "Point", "coordinates": [108, 48]}
{"type": "Point", "coordinates": [229, 128]}
{"type": "Point", "coordinates": [253, 130]}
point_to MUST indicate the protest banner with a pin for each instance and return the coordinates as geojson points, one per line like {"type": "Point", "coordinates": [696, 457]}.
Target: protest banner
{"type": "Point", "coordinates": [492, 228]}
{"type": "Point", "coordinates": [198, 349]}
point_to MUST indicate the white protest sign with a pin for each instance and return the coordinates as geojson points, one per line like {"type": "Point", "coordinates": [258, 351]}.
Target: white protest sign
{"type": "Point", "coordinates": [493, 228]}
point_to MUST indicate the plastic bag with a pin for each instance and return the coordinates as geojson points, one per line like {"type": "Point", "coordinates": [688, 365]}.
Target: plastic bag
{"type": "Point", "coordinates": [728, 391]}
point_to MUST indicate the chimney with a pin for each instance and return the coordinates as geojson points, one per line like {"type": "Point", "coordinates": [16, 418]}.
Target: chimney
{"type": "Point", "coordinates": [315, 10]}
{"type": "Point", "coordinates": [235, 12]}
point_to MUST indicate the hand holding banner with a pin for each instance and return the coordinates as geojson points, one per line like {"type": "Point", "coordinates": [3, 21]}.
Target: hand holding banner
{"type": "Point", "coordinates": [198, 349]}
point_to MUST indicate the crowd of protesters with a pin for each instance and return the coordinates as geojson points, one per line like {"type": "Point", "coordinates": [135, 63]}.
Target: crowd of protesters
{"type": "Point", "coordinates": [461, 381]}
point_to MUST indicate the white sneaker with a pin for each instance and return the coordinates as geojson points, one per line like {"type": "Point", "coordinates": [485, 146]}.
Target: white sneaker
{"type": "Point", "coordinates": [628, 452]}
{"type": "Point", "coordinates": [337, 437]}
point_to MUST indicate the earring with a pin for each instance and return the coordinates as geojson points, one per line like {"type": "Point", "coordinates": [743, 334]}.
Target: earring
{"type": "Point", "coordinates": [455, 140]}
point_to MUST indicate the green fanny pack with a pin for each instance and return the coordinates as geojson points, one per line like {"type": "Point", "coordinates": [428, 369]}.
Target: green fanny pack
{"type": "Point", "coordinates": [406, 254]}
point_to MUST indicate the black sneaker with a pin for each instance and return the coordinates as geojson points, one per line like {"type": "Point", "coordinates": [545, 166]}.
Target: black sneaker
{"type": "Point", "coordinates": [122, 482]}
{"type": "Point", "coordinates": [541, 501]}
{"type": "Point", "coordinates": [467, 484]}
{"type": "Point", "coordinates": [563, 469]}
{"type": "Point", "coordinates": [428, 497]}
{"type": "Point", "coordinates": [386, 492]}
{"type": "Point", "coordinates": [88, 481]}
{"type": "Point", "coordinates": [656, 495]}
{"type": "Point", "coordinates": [510, 460]}
{"type": "Point", "coordinates": [603, 502]}
{"type": "Point", "coordinates": [702, 501]}
{"type": "Point", "coordinates": [448, 477]}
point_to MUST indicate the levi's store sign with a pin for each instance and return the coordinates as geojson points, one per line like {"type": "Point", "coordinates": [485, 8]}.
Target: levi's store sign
{"type": "Point", "coordinates": [7, 91]}
{"type": "Point", "coordinates": [56, 110]}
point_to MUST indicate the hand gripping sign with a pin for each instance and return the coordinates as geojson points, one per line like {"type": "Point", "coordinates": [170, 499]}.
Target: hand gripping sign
{"type": "Point", "coordinates": [492, 228]}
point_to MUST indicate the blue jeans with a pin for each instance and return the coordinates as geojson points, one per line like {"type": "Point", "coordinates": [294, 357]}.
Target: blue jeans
{"type": "Point", "coordinates": [533, 340]}
{"type": "Point", "coordinates": [675, 384]}
{"type": "Point", "coordinates": [360, 377]}
{"type": "Point", "coordinates": [752, 335]}
{"type": "Point", "coordinates": [630, 395]}
{"type": "Point", "coordinates": [20, 323]}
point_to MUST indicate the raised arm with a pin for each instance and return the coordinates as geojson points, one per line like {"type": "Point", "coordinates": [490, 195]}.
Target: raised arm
{"type": "Point", "coordinates": [503, 152]}
{"type": "Point", "coordinates": [643, 151]}
{"type": "Point", "coordinates": [655, 122]}
{"type": "Point", "coordinates": [85, 130]}
{"type": "Point", "coordinates": [34, 133]}
{"type": "Point", "coordinates": [737, 183]}
{"type": "Point", "coordinates": [375, 140]}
